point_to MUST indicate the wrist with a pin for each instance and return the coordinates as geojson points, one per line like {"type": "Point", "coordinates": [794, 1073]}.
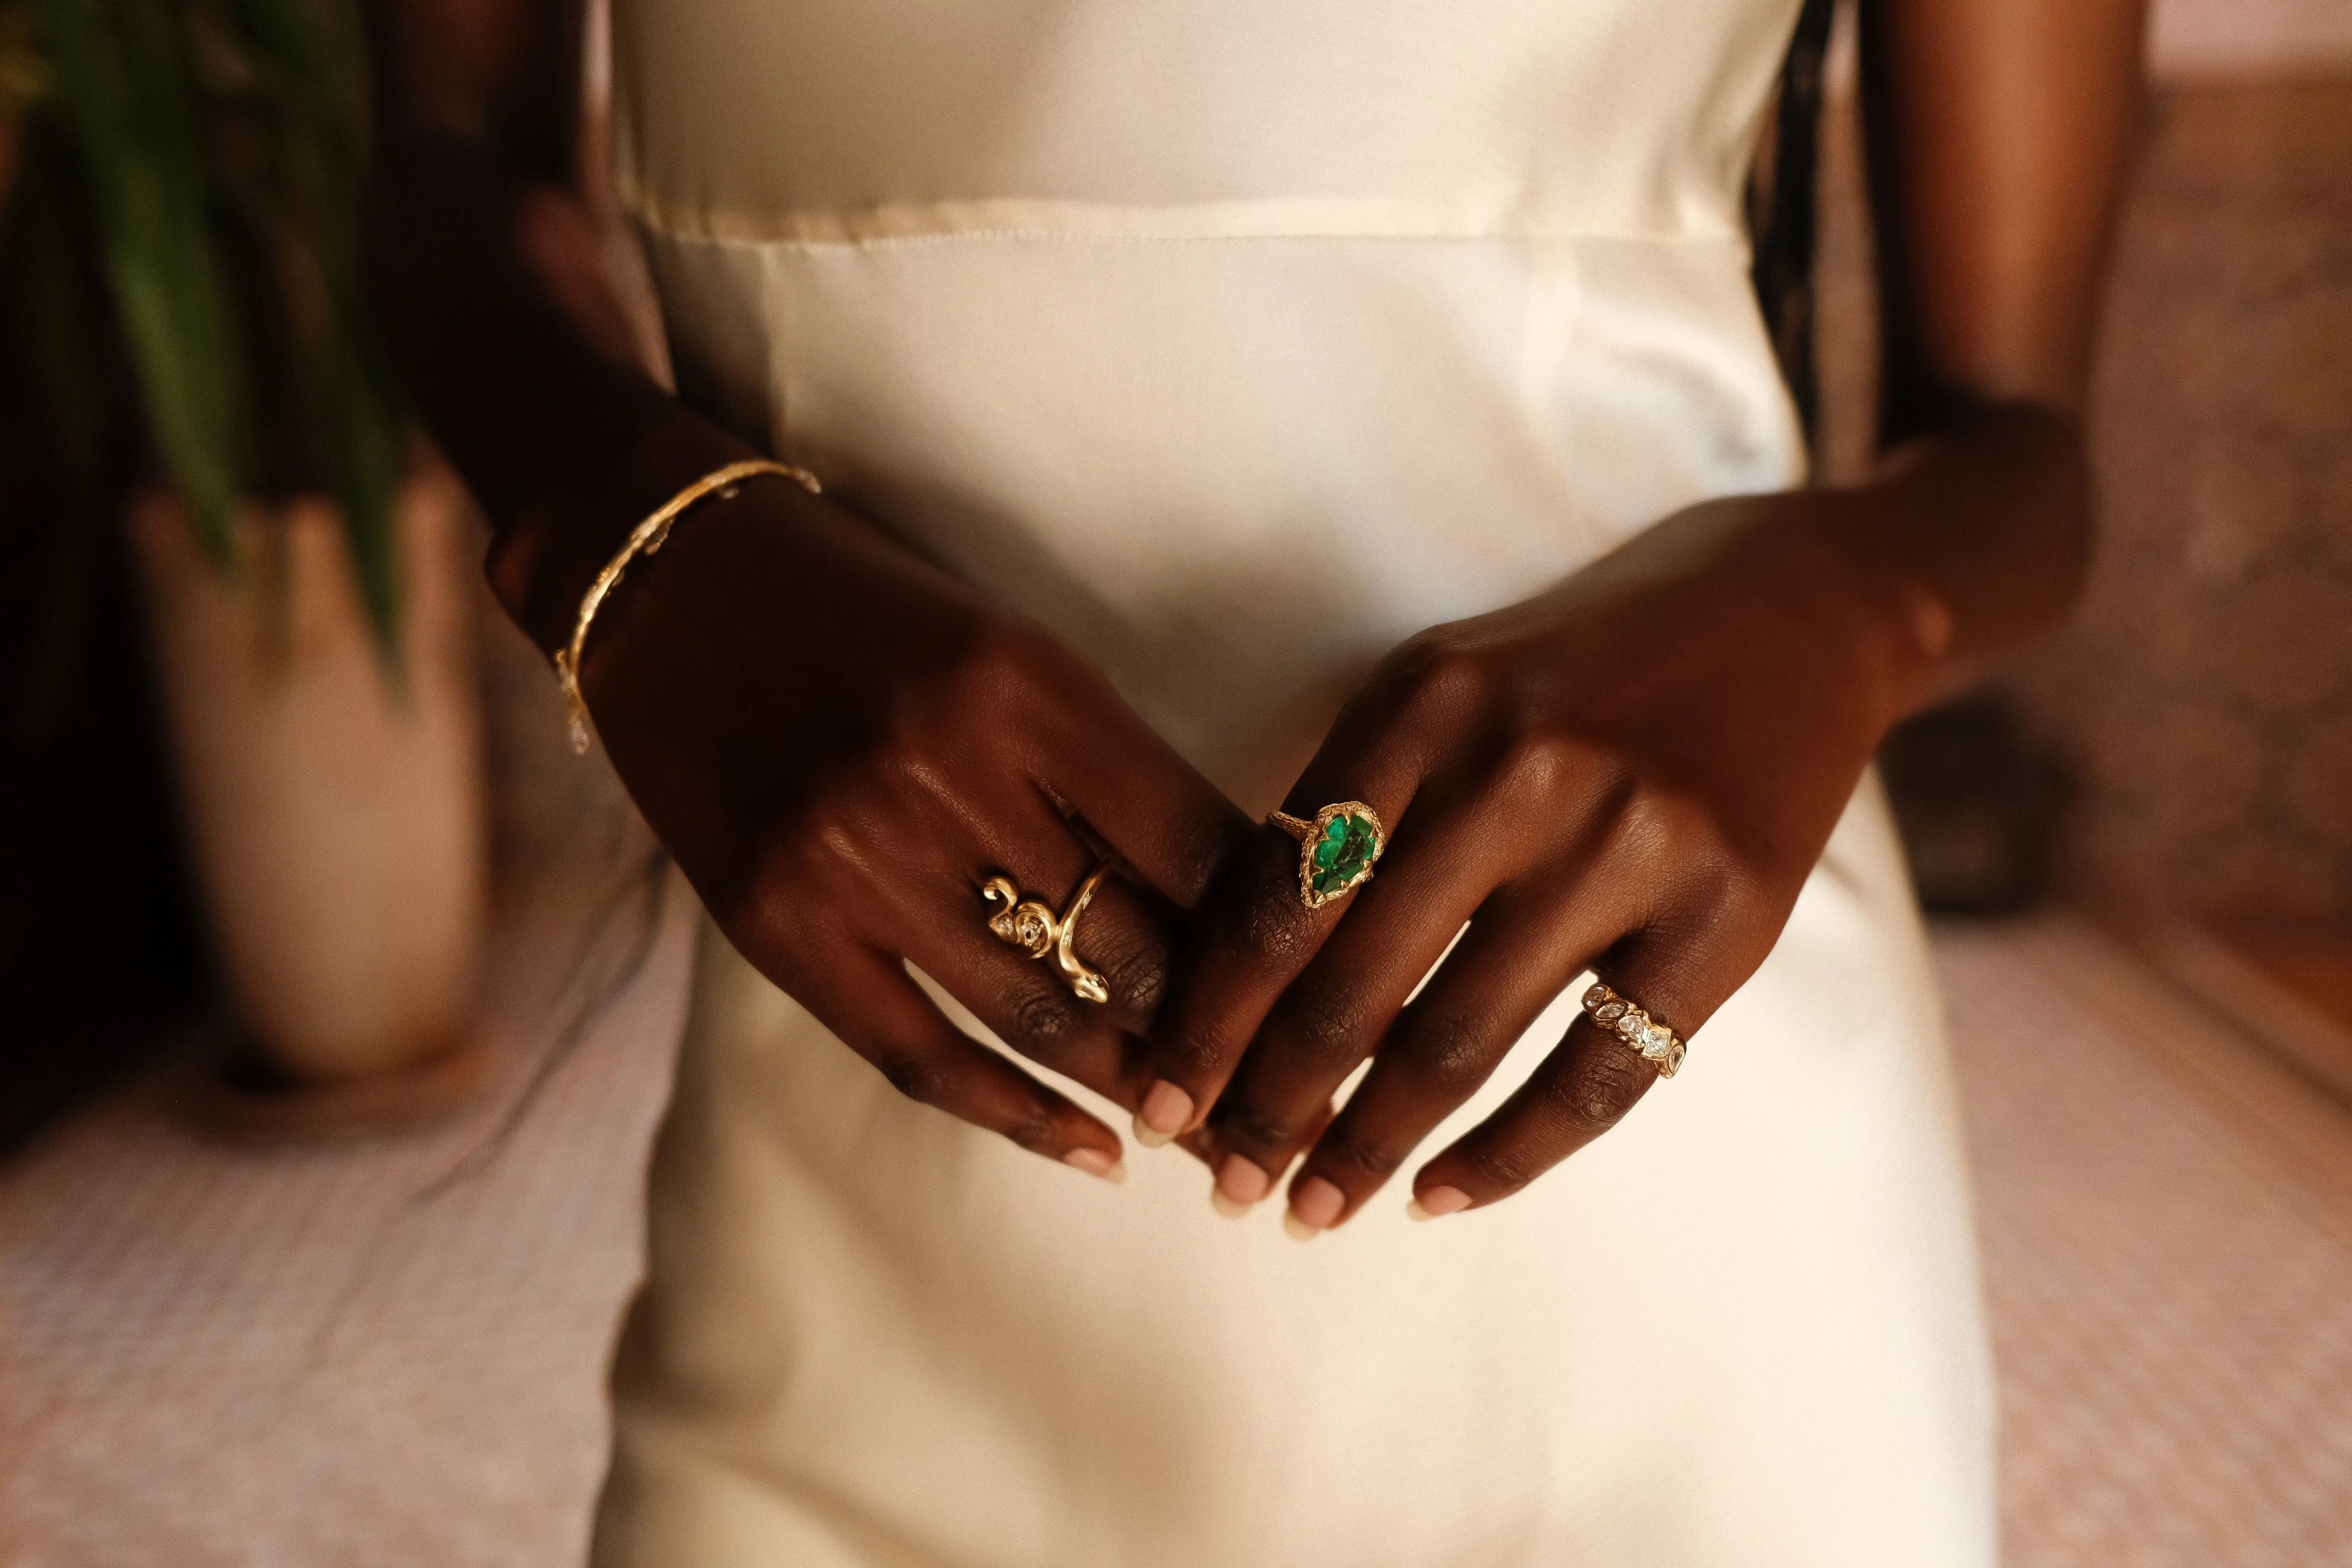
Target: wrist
{"type": "Point", "coordinates": [544, 559]}
{"type": "Point", "coordinates": [1908, 627]}
{"type": "Point", "coordinates": [1895, 633]}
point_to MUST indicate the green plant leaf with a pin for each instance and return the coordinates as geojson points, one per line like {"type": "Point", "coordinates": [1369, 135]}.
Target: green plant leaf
{"type": "Point", "coordinates": [222, 145]}
{"type": "Point", "coordinates": [122, 76]}
{"type": "Point", "coordinates": [64, 324]}
{"type": "Point", "coordinates": [306, 77]}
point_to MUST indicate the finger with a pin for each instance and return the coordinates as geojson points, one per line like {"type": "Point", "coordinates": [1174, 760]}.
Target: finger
{"type": "Point", "coordinates": [1524, 946]}
{"type": "Point", "coordinates": [1342, 1002]}
{"type": "Point", "coordinates": [1165, 818]}
{"type": "Point", "coordinates": [1126, 934]}
{"type": "Point", "coordinates": [1028, 1004]}
{"type": "Point", "coordinates": [1580, 1091]}
{"type": "Point", "coordinates": [1035, 1013]}
{"type": "Point", "coordinates": [1254, 935]}
{"type": "Point", "coordinates": [869, 1000]}
{"type": "Point", "coordinates": [1586, 1086]}
{"type": "Point", "coordinates": [1256, 931]}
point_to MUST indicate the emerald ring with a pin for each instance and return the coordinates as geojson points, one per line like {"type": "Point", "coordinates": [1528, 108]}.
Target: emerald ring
{"type": "Point", "coordinates": [1336, 850]}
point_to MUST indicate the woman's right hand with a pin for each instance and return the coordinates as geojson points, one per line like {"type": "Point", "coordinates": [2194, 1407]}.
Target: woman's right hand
{"type": "Point", "coordinates": [840, 744]}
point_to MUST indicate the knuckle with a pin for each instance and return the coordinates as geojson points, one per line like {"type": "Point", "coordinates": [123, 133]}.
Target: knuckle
{"type": "Point", "coordinates": [1713, 896]}
{"type": "Point", "coordinates": [912, 1074]}
{"type": "Point", "coordinates": [1360, 1158]}
{"type": "Point", "coordinates": [1137, 974]}
{"type": "Point", "coordinates": [1711, 889]}
{"type": "Point", "coordinates": [1273, 931]}
{"type": "Point", "coordinates": [1001, 653]}
{"type": "Point", "coordinates": [1539, 767]}
{"type": "Point", "coordinates": [1199, 849]}
{"type": "Point", "coordinates": [1010, 666]}
{"type": "Point", "coordinates": [1669, 822]}
{"type": "Point", "coordinates": [898, 770]}
{"type": "Point", "coordinates": [1139, 984]}
{"type": "Point", "coordinates": [1677, 840]}
{"type": "Point", "coordinates": [1045, 1021]}
{"type": "Point", "coordinates": [1731, 900]}
{"type": "Point", "coordinates": [1246, 1122]}
{"type": "Point", "coordinates": [1036, 1131]}
{"type": "Point", "coordinates": [1504, 1165]}
{"type": "Point", "coordinates": [838, 834]}
{"type": "Point", "coordinates": [1448, 1055]}
{"type": "Point", "coordinates": [1197, 1055]}
{"type": "Point", "coordinates": [1323, 1020]}
{"type": "Point", "coordinates": [1598, 1086]}
{"type": "Point", "coordinates": [1436, 671]}
{"type": "Point", "coordinates": [798, 853]}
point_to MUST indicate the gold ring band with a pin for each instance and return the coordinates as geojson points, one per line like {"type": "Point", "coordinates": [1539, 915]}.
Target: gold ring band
{"type": "Point", "coordinates": [1633, 1028]}
{"type": "Point", "coordinates": [1032, 925]}
{"type": "Point", "coordinates": [1336, 851]}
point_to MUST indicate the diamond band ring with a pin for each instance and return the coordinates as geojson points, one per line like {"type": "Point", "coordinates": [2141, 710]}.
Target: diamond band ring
{"type": "Point", "coordinates": [1636, 1029]}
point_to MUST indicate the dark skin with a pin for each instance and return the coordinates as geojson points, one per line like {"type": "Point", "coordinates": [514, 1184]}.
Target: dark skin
{"type": "Point", "coordinates": [839, 744]}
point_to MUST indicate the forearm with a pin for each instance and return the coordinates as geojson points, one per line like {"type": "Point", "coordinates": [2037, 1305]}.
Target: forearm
{"type": "Point", "coordinates": [519, 354]}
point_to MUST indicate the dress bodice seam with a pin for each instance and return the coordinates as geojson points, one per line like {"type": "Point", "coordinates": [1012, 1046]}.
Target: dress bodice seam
{"type": "Point", "coordinates": [913, 225]}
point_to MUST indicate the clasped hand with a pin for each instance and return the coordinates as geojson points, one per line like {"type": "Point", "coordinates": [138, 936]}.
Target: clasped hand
{"type": "Point", "coordinates": [1632, 773]}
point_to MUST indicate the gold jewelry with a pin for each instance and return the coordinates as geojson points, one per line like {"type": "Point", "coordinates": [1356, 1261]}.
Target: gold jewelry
{"type": "Point", "coordinates": [1336, 850]}
{"type": "Point", "coordinates": [1634, 1028]}
{"type": "Point", "coordinates": [1031, 924]}
{"type": "Point", "coordinates": [644, 540]}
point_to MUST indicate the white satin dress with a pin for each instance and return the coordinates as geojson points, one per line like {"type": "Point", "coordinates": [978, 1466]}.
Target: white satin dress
{"type": "Point", "coordinates": [1237, 341]}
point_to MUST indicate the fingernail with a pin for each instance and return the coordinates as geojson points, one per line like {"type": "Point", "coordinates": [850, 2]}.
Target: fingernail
{"type": "Point", "coordinates": [1240, 1184]}
{"type": "Point", "coordinates": [1095, 1162]}
{"type": "Point", "coordinates": [1315, 1203]}
{"type": "Point", "coordinates": [1165, 1111]}
{"type": "Point", "coordinates": [1437, 1203]}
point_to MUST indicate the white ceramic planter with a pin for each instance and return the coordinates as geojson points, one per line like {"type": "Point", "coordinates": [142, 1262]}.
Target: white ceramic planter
{"type": "Point", "coordinates": [336, 819]}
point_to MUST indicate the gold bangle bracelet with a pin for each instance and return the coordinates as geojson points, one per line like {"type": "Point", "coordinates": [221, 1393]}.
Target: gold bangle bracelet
{"type": "Point", "coordinates": [644, 540]}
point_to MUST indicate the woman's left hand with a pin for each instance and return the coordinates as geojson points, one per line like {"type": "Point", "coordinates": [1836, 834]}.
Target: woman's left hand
{"type": "Point", "coordinates": [1633, 773]}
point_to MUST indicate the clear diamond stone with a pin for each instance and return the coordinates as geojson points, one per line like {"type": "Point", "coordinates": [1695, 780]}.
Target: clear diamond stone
{"type": "Point", "coordinates": [1629, 1027]}
{"type": "Point", "coordinates": [1609, 1012]}
{"type": "Point", "coordinates": [1597, 995]}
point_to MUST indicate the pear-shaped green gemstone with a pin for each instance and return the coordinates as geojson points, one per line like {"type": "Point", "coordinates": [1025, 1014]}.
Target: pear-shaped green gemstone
{"type": "Point", "coordinates": [1343, 852]}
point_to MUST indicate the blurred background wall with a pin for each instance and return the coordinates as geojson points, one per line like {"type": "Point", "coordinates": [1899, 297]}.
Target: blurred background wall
{"type": "Point", "coordinates": [2204, 694]}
